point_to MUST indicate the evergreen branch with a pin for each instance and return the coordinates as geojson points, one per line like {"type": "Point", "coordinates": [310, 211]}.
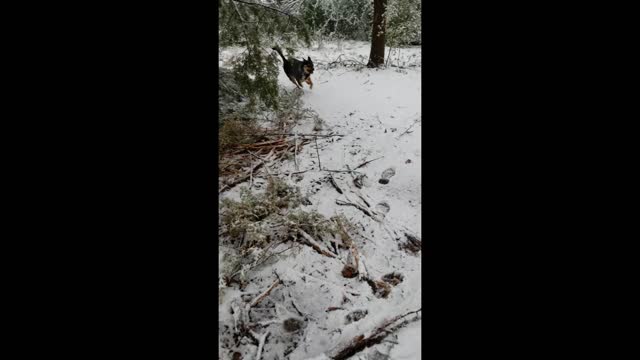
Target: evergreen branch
{"type": "Point", "coordinates": [264, 6]}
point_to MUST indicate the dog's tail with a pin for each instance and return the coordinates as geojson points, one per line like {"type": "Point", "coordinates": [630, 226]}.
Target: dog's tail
{"type": "Point", "coordinates": [276, 48]}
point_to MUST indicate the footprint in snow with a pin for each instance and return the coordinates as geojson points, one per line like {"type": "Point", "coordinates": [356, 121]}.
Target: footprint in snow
{"type": "Point", "coordinates": [383, 208]}
{"type": "Point", "coordinates": [386, 175]}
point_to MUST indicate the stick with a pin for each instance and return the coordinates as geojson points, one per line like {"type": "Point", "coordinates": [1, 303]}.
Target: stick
{"type": "Point", "coordinates": [259, 158]}
{"type": "Point", "coordinates": [242, 179]}
{"type": "Point", "coordinates": [347, 240]}
{"type": "Point", "coordinates": [318, 152]}
{"type": "Point", "coordinates": [361, 342]}
{"type": "Point", "coordinates": [341, 171]}
{"type": "Point", "coordinates": [261, 342]}
{"type": "Point", "coordinates": [295, 151]}
{"type": "Point", "coordinates": [294, 134]}
{"type": "Point", "coordinates": [366, 162]}
{"type": "Point", "coordinates": [261, 297]}
{"type": "Point", "coordinates": [417, 120]}
{"type": "Point", "coordinates": [295, 172]}
{"type": "Point", "coordinates": [334, 184]}
{"type": "Point", "coordinates": [357, 206]}
{"type": "Point", "coordinates": [266, 7]}
{"type": "Point", "coordinates": [314, 244]}
{"type": "Point", "coordinates": [251, 179]}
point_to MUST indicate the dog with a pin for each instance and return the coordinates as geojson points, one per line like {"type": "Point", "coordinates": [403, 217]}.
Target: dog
{"type": "Point", "coordinates": [297, 71]}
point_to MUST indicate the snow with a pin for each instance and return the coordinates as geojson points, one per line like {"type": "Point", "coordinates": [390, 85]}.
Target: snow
{"type": "Point", "coordinates": [371, 108]}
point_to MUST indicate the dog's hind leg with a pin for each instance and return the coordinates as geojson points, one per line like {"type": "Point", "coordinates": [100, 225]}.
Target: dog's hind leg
{"type": "Point", "coordinates": [295, 82]}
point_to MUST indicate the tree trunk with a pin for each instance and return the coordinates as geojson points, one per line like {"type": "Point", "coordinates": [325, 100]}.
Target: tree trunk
{"type": "Point", "coordinates": [376, 57]}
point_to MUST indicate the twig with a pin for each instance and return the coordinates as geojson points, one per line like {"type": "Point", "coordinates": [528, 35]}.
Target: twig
{"type": "Point", "coordinates": [261, 342]}
{"type": "Point", "coordinates": [251, 179]}
{"type": "Point", "coordinates": [347, 240]}
{"type": "Point", "coordinates": [263, 161]}
{"type": "Point", "coordinates": [294, 134]}
{"type": "Point", "coordinates": [334, 184]}
{"type": "Point", "coordinates": [295, 306]}
{"type": "Point", "coordinates": [291, 173]}
{"type": "Point", "coordinates": [417, 120]}
{"type": "Point", "coordinates": [242, 179]}
{"type": "Point", "coordinates": [295, 151]}
{"type": "Point", "coordinates": [366, 162]}
{"type": "Point", "coordinates": [318, 153]}
{"type": "Point", "coordinates": [357, 206]}
{"type": "Point", "coordinates": [361, 342]}
{"type": "Point", "coordinates": [341, 171]}
{"type": "Point", "coordinates": [264, 6]}
{"type": "Point", "coordinates": [314, 244]}
{"type": "Point", "coordinates": [333, 308]}
{"type": "Point", "coordinates": [261, 297]}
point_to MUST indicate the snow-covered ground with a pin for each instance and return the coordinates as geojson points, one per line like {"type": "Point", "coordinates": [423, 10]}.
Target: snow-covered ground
{"type": "Point", "coordinates": [373, 109]}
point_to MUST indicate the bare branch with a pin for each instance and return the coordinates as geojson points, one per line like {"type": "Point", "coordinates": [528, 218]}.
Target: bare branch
{"type": "Point", "coordinates": [314, 244]}
{"type": "Point", "coordinates": [264, 6]}
{"type": "Point", "coordinates": [366, 162]}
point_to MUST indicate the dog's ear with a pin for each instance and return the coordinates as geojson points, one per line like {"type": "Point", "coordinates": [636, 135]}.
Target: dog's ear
{"type": "Point", "coordinates": [309, 58]}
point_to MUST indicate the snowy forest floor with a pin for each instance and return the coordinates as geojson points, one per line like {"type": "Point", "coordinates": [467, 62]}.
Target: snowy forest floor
{"type": "Point", "coordinates": [378, 114]}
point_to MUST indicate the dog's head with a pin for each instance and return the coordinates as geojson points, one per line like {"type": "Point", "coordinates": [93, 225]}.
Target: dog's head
{"type": "Point", "coordinates": [307, 65]}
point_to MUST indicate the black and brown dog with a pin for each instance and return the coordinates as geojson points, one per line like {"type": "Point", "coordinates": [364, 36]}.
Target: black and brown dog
{"type": "Point", "coordinates": [297, 71]}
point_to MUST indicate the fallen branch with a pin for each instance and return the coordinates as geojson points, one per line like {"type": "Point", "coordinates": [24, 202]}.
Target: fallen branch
{"type": "Point", "coordinates": [295, 151]}
{"type": "Point", "coordinates": [266, 7]}
{"type": "Point", "coordinates": [361, 342]}
{"type": "Point", "coordinates": [366, 162]}
{"type": "Point", "coordinates": [341, 171]}
{"type": "Point", "coordinates": [415, 122]}
{"type": "Point", "coordinates": [264, 294]}
{"type": "Point", "coordinates": [347, 240]}
{"type": "Point", "coordinates": [261, 342]}
{"type": "Point", "coordinates": [294, 134]}
{"type": "Point", "coordinates": [314, 244]}
{"type": "Point", "coordinates": [266, 167]}
{"type": "Point", "coordinates": [292, 173]}
{"type": "Point", "coordinates": [333, 183]}
{"type": "Point", "coordinates": [240, 180]}
{"type": "Point", "coordinates": [318, 153]}
{"type": "Point", "coordinates": [333, 308]}
{"type": "Point", "coordinates": [359, 207]}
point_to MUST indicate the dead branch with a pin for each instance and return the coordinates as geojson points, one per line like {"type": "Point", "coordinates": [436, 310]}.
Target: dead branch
{"type": "Point", "coordinates": [254, 145]}
{"type": "Point", "coordinates": [341, 171]}
{"type": "Point", "coordinates": [361, 342]}
{"type": "Point", "coordinates": [295, 151]}
{"type": "Point", "coordinates": [359, 207]}
{"type": "Point", "coordinates": [415, 122]}
{"type": "Point", "coordinates": [318, 153]}
{"type": "Point", "coordinates": [261, 341]}
{"type": "Point", "coordinates": [266, 167]}
{"type": "Point", "coordinates": [314, 244]}
{"type": "Point", "coordinates": [240, 180]}
{"type": "Point", "coordinates": [333, 183]}
{"type": "Point", "coordinates": [261, 297]}
{"type": "Point", "coordinates": [294, 134]}
{"type": "Point", "coordinates": [292, 173]}
{"type": "Point", "coordinates": [366, 162]}
{"type": "Point", "coordinates": [266, 7]}
{"type": "Point", "coordinates": [333, 308]}
{"type": "Point", "coordinates": [347, 240]}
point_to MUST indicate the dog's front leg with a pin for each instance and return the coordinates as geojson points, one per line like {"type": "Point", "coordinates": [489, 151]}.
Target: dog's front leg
{"type": "Point", "coordinates": [308, 81]}
{"type": "Point", "coordinates": [295, 82]}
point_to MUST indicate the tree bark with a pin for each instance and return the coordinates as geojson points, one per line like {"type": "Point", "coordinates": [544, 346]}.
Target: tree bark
{"type": "Point", "coordinates": [376, 57]}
